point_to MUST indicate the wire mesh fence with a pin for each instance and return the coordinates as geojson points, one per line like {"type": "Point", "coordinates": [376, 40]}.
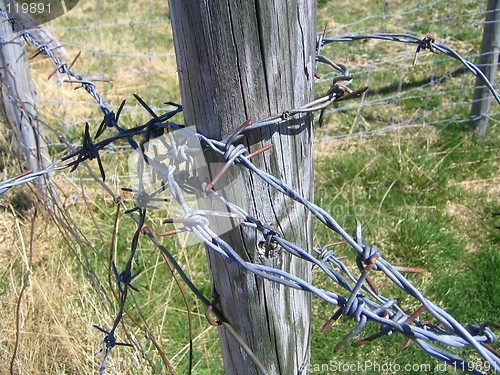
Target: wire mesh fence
{"type": "Point", "coordinates": [135, 55]}
{"type": "Point", "coordinates": [394, 80]}
{"type": "Point", "coordinates": [175, 170]}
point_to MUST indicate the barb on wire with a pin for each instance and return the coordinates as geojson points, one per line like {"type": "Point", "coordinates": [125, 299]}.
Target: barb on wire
{"type": "Point", "coordinates": [425, 43]}
{"type": "Point", "coordinates": [340, 91]}
{"type": "Point", "coordinates": [124, 283]}
{"type": "Point", "coordinates": [158, 124]}
{"type": "Point", "coordinates": [109, 120]}
{"type": "Point", "coordinates": [89, 151]}
{"type": "Point", "coordinates": [144, 199]}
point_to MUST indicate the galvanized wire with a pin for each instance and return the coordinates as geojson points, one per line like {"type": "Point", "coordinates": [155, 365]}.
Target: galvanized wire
{"type": "Point", "coordinates": [427, 42]}
{"type": "Point", "coordinates": [359, 302]}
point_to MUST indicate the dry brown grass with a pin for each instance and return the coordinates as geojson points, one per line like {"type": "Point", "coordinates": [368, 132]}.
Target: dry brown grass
{"type": "Point", "coordinates": [54, 309]}
{"type": "Point", "coordinates": [58, 306]}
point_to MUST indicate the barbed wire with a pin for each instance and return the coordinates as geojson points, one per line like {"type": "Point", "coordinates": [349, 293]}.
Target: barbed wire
{"type": "Point", "coordinates": [178, 174]}
{"type": "Point", "coordinates": [387, 67]}
{"type": "Point", "coordinates": [428, 42]}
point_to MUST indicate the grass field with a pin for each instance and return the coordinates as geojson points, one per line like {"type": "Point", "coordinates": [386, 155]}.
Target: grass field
{"type": "Point", "coordinates": [426, 196]}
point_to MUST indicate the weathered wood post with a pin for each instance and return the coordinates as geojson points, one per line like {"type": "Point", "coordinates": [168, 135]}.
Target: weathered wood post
{"type": "Point", "coordinates": [236, 60]}
{"type": "Point", "coordinates": [19, 98]}
{"type": "Point", "coordinates": [488, 61]}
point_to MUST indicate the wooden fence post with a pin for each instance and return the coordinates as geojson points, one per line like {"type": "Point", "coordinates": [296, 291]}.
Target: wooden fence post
{"type": "Point", "coordinates": [236, 60]}
{"type": "Point", "coordinates": [19, 98]}
{"type": "Point", "coordinates": [488, 61]}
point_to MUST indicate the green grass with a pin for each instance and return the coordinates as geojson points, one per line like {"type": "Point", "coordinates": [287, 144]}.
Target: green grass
{"type": "Point", "coordinates": [425, 199]}
{"type": "Point", "coordinates": [413, 200]}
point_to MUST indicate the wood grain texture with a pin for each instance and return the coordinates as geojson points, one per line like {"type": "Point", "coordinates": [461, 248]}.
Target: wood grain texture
{"type": "Point", "coordinates": [240, 59]}
{"type": "Point", "coordinates": [19, 99]}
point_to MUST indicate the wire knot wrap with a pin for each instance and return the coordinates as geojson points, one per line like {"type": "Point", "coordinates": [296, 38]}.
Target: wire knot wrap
{"type": "Point", "coordinates": [110, 341]}
{"type": "Point", "coordinates": [367, 257]}
{"type": "Point", "coordinates": [88, 151]}
{"type": "Point", "coordinates": [110, 120]}
{"type": "Point", "coordinates": [327, 255]}
{"type": "Point", "coordinates": [181, 152]}
{"type": "Point", "coordinates": [340, 85]}
{"type": "Point", "coordinates": [354, 307]}
{"type": "Point", "coordinates": [268, 232]}
{"type": "Point", "coordinates": [124, 278]}
{"type": "Point", "coordinates": [194, 218]}
{"type": "Point", "coordinates": [478, 330]}
{"type": "Point", "coordinates": [234, 152]}
{"type": "Point", "coordinates": [231, 153]}
{"type": "Point", "coordinates": [285, 116]}
{"type": "Point", "coordinates": [426, 43]}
